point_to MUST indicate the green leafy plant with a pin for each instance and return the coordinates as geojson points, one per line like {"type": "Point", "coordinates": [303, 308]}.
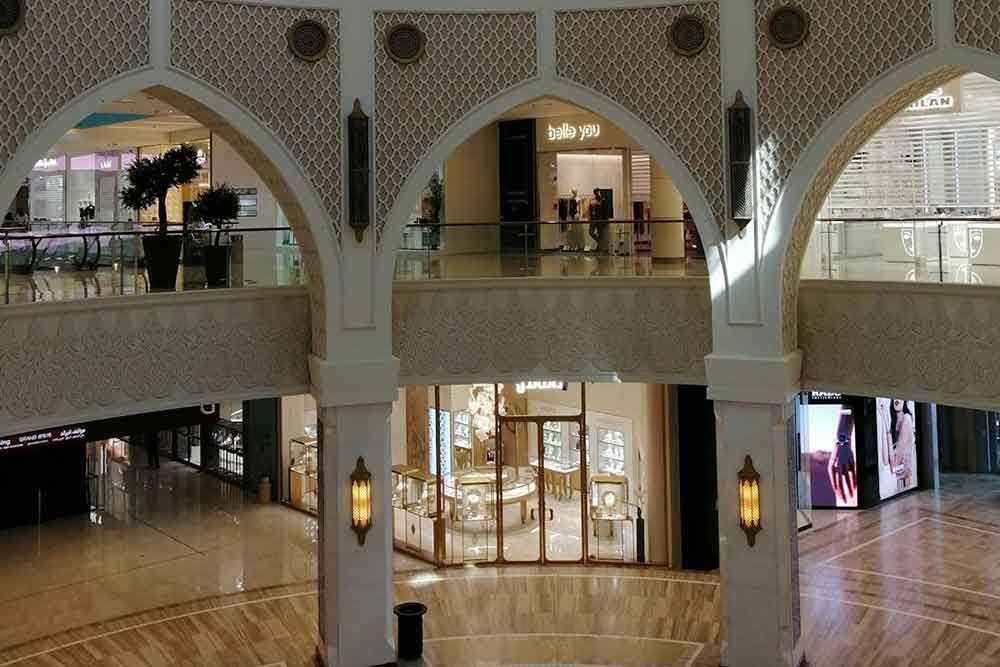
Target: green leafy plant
{"type": "Point", "coordinates": [151, 178]}
{"type": "Point", "coordinates": [436, 197]}
{"type": "Point", "coordinates": [219, 207]}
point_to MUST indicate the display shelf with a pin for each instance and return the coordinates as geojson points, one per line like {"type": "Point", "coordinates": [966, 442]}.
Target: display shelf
{"type": "Point", "coordinates": [303, 474]}
{"type": "Point", "coordinates": [574, 444]}
{"type": "Point", "coordinates": [463, 430]}
{"type": "Point", "coordinates": [552, 441]}
{"type": "Point", "coordinates": [611, 444]}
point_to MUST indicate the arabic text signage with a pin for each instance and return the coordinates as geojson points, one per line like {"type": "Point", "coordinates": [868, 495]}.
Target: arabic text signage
{"type": "Point", "coordinates": [52, 436]}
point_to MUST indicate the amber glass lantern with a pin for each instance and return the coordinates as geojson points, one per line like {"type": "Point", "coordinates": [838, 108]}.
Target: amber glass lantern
{"type": "Point", "coordinates": [749, 480]}
{"type": "Point", "coordinates": [361, 500]}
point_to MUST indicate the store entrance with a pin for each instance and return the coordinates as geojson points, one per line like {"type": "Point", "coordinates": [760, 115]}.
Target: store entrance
{"type": "Point", "coordinates": [534, 477]}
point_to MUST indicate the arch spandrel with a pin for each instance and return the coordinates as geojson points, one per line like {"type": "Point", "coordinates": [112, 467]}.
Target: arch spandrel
{"type": "Point", "coordinates": [45, 64]}
{"type": "Point", "coordinates": [241, 50]}
{"type": "Point", "coordinates": [469, 58]}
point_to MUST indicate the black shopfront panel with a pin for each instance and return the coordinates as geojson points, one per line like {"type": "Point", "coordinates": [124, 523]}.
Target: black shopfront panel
{"type": "Point", "coordinates": [518, 185]}
{"type": "Point", "coordinates": [698, 477]}
{"type": "Point", "coordinates": [42, 482]}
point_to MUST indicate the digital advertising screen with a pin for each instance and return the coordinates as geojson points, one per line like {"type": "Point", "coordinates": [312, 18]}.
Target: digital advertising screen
{"type": "Point", "coordinates": [897, 446]}
{"type": "Point", "coordinates": [832, 455]}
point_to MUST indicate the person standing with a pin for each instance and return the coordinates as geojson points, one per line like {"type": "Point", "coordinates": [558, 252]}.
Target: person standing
{"type": "Point", "coordinates": [153, 450]}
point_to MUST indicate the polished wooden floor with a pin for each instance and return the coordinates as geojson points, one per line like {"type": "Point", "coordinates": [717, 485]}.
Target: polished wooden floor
{"type": "Point", "coordinates": [914, 582]}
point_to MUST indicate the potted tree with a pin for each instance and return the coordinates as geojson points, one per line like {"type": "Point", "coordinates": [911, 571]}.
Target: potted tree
{"type": "Point", "coordinates": [149, 181]}
{"type": "Point", "coordinates": [217, 207]}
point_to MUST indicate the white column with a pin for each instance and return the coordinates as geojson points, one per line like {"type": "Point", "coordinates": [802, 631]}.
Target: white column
{"type": "Point", "coordinates": [760, 588]}
{"type": "Point", "coordinates": [355, 580]}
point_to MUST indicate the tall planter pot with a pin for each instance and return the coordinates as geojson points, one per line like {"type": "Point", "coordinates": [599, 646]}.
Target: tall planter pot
{"type": "Point", "coordinates": [217, 265]}
{"type": "Point", "coordinates": [163, 257]}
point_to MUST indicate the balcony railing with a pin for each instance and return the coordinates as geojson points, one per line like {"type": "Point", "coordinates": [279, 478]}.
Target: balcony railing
{"type": "Point", "coordinates": [545, 249]}
{"type": "Point", "coordinates": [52, 261]}
{"type": "Point", "coordinates": [922, 249]}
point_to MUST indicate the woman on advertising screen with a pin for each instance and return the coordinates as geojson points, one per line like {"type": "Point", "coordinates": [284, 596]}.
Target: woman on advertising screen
{"type": "Point", "coordinates": [904, 447]}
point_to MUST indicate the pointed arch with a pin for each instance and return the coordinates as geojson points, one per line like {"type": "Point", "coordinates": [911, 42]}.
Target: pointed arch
{"type": "Point", "coordinates": [657, 147]}
{"type": "Point", "coordinates": [251, 138]}
{"type": "Point", "coordinates": [829, 152]}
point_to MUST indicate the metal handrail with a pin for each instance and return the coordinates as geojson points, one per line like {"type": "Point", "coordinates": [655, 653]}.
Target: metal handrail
{"type": "Point", "coordinates": [939, 218]}
{"type": "Point", "coordinates": [84, 233]}
{"type": "Point", "coordinates": [510, 223]}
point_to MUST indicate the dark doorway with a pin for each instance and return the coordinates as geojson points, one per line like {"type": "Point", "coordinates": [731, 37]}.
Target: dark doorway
{"type": "Point", "coordinates": [517, 184]}
{"type": "Point", "coordinates": [699, 484]}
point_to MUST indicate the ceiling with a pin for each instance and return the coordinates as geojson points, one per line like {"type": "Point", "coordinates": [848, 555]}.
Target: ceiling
{"type": "Point", "coordinates": [160, 121]}
{"type": "Point", "coordinates": [543, 107]}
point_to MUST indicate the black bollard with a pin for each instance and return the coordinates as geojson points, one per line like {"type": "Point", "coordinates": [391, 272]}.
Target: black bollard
{"type": "Point", "coordinates": [640, 538]}
{"type": "Point", "coordinates": [410, 630]}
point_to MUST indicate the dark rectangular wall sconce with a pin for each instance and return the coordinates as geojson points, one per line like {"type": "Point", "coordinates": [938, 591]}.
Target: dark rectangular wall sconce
{"type": "Point", "coordinates": [359, 172]}
{"type": "Point", "coordinates": [740, 122]}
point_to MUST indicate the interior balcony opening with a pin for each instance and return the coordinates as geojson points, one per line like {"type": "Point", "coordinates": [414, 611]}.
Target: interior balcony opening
{"type": "Point", "coordinates": [919, 201]}
{"type": "Point", "coordinates": [549, 189]}
{"type": "Point", "coordinates": [68, 233]}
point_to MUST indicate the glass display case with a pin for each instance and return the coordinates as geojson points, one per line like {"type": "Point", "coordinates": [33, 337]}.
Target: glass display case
{"type": "Point", "coordinates": [399, 472]}
{"type": "Point", "coordinates": [420, 493]}
{"type": "Point", "coordinates": [552, 441]}
{"type": "Point", "coordinates": [609, 498]}
{"type": "Point", "coordinates": [303, 474]}
{"type": "Point", "coordinates": [462, 440]}
{"type": "Point", "coordinates": [475, 496]}
{"type": "Point", "coordinates": [611, 444]}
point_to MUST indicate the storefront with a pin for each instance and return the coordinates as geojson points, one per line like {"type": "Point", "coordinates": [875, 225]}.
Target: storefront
{"type": "Point", "coordinates": [551, 162]}
{"type": "Point", "coordinates": [856, 452]}
{"type": "Point", "coordinates": [72, 187]}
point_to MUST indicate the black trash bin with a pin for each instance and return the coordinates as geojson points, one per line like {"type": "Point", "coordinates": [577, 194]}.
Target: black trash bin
{"type": "Point", "coordinates": [410, 630]}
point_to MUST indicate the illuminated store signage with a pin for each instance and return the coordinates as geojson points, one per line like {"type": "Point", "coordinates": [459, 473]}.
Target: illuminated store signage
{"type": "Point", "coordinates": [46, 163]}
{"type": "Point", "coordinates": [825, 396]}
{"type": "Point", "coordinates": [937, 100]}
{"type": "Point", "coordinates": [540, 385]}
{"type": "Point", "coordinates": [48, 437]}
{"type": "Point", "coordinates": [570, 132]}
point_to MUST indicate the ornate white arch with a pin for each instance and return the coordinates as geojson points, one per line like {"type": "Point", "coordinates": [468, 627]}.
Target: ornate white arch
{"type": "Point", "coordinates": [827, 154]}
{"type": "Point", "coordinates": [277, 168]}
{"type": "Point", "coordinates": [658, 149]}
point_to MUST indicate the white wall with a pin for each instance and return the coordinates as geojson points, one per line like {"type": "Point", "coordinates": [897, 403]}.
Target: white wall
{"type": "Point", "coordinates": [259, 248]}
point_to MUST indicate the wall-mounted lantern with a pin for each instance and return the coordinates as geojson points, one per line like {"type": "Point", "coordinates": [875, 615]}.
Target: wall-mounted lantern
{"type": "Point", "coordinates": [358, 171]}
{"type": "Point", "coordinates": [749, 480]}
{"type": "Point", "coordinates": [740, 126]}
{"type": "Point", "coordinates": [361, 500]}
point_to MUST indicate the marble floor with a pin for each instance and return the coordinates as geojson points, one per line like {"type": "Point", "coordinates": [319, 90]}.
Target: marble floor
{"type": "Point", "coordinates": [190, 575]}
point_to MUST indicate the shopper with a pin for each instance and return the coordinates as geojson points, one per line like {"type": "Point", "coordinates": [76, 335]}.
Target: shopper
{"type": "Point", "coordinates": [153, 450]}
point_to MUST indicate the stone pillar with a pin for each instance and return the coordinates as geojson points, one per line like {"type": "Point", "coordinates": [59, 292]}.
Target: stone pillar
{"type": "Point", "coordinates": [754, 407]}
{"type": "Point", "coordinates": [760, 587]}
{"type": "Point", "coordinates": [355, 580]}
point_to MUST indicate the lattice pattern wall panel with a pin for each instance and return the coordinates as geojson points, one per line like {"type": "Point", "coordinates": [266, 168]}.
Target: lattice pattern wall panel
{"type": "Point", "coordinates": [469, 58]}
{"type": "Point", "coordinates": [64, 49]}
{"type": "Point", "coordinates": [241, 49]}
{"type": "Point", "coordinates": [977, 24]}
{"type": "Point", "coordinates": [645, 330]}
{"type": "Point", "coordinates": [851, 43]}
{"type": "Point", "coordinates": [925, 342]}
{"type": "Point", "coordinates": [623, 54]}
{"type": "Point", "coordinates": [278, 186]}
{"type": "Point", "coordinates": [87, 362]}
{"type": "Point", "coordinates": [825, 178]}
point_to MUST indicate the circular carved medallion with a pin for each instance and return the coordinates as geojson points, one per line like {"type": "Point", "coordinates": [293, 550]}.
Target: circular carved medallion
{"type": "Point", "coordinates": [787, 27]}
{"type": "Point", "coordinates": [308, 40]}
{"type": "Point", "coordinates": [11, 16]}
{"type": "Point", "coordinates": [688, 35]}
{"type": "Point", "coordinates": [405, 43]}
